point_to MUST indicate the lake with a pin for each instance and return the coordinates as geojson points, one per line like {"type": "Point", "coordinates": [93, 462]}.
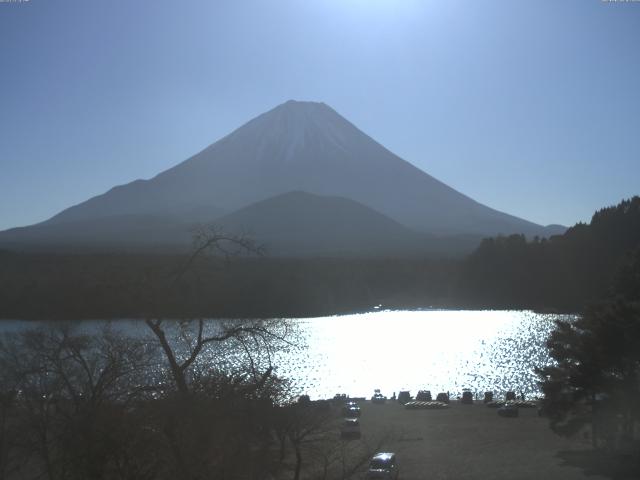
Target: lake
{"type": "Point", "coordinates": [437, 350]}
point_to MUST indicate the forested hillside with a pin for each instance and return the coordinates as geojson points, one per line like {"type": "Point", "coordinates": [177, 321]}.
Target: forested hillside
{"type": "Point", "coordinates": [564, 272]}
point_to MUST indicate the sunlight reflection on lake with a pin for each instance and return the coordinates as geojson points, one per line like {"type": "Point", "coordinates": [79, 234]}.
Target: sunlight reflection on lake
{"type": "Point", "coordinates": [436, 350]}
{"type": "Point", "coordinates": [432, 350]}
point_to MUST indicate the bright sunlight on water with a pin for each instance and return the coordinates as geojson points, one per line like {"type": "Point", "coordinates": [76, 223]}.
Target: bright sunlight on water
{"type": "Point", "coordinates": [436, 350]}
{"type": "Point", "coordinates": [413, 350]}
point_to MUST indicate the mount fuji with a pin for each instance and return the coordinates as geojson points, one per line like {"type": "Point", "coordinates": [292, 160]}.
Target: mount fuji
{"type": "Point", "coordinates": [302, 147]}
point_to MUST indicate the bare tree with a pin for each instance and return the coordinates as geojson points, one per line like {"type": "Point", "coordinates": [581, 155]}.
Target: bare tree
{"type": "Point", "coordinates": [345, 459]}
{"type": "Point", "coordinates": [223, 374]}
{"type": "Point", "coordinates": [305, 425]}
{"type": "Point", "coordinates": [249, 337]}
{"type": "Point", "coordinates": [199, 402]}
{"type": "Point", "coordinates": [72, 395]}
{"type": "Point", "coordinates": [196, 334]}
{"type": "Point", "coordinates": [319, 452]}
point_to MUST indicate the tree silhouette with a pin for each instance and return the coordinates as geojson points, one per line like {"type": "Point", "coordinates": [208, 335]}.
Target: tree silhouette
{"type": "Point", "coordinates": [596, 380]}
{"type": "Point", "coordinates": [565, 272]}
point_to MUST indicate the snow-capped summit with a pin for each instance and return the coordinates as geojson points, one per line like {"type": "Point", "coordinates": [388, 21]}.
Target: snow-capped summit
{"type": "Point", "coordinates": [292, 126]}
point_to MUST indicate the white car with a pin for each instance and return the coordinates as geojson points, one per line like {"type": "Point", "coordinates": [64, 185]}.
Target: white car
{"type": "Point", "coordinates": [383, 465]}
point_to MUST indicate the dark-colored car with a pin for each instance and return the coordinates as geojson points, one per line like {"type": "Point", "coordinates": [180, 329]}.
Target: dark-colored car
{"type": "Point", "coordinates": [350, 428]}
{"type": "Point", "coordinates": [338, 398]}
{"type": "Point", "coordinates": [510, 396]}
{"type": "Point", "coordinates": [488, 397]}
{"type": "Point", "coordinates": [351, 410]}
{"type": "Point", "coordinates": [404, 396]}
{"type": "Point", "coordinates": [378, 398]}
{"type": "Point", "coordinates": [424, 396]}
{"type": "Point", "coordinates": [442, 397]}
{"type": "Point", "coordinates": [467, 397]}
{"type": "Point", "coordinates": [508, 411]}
{"type": "Point", "coordinates": [383, 465]}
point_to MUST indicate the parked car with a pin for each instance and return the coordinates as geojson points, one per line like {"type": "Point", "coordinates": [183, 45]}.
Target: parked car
{"type": "Point", "coordinates": [510, 396]}
{"type": "Point", "coordinates": [488, 397]}
{"type": "Point", "coordinates": [378, 398]}
{"type": "Point", "coordinates": [351, 410]}
{"type": "Point", "coordinates": [424, 396]}
{"type": "Point", "coordinates": [442, 397]}
{"type": "Point", "coordinates": [338, 398]}
{"type": "Point", "coordinates": [404, 396]}
{"type": "Point", "coordinates": [350, 428]}
{"type": "Point", "coordinates": [508, 411]}
{"type": "Point", "coordinates": [383, 465]}
{"type": "Point", "coordinates": [467, 397]}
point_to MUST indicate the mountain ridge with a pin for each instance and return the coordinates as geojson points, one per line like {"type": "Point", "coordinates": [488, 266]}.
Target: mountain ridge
{"type": "Point", "coordinates": [308, 147]}
{"type": "Point", "coordinates": [300, 223]}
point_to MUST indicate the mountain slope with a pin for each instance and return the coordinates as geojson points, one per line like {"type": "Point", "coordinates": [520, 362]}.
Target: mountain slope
{"type": "Point", "coordinates": [299, 223]}
{"type": "Point", "coordinates": [295, 224]}
{"type": "Point", "coordinates": [303, 146]}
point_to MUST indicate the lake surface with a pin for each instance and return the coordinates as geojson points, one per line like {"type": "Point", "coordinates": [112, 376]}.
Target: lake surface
{"type": "Point", "coordinates": [413, 350]}
{"type": "Point", "coordinates": [437, 350]}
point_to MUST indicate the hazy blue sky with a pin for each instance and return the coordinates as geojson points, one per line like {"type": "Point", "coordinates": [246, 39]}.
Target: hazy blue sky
{"type": "Point", "coordinates": [531, 107]}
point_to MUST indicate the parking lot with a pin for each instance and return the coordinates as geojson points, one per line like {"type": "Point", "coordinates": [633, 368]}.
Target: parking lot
{"type": "Point", "coordinates": [473, 442]}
